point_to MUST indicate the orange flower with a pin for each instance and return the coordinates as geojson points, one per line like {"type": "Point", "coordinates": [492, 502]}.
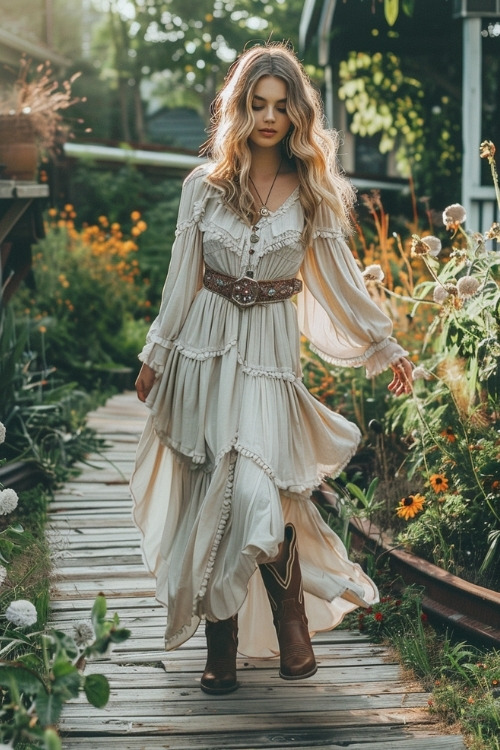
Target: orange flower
{"type": "Point", "coordinates": [448, 434]}
{"type": "Point", "coordinates": [439, 482]}
{"type": "Point", "coordinates": [409, 506]}
{"type": "Point", "coordinates": [135, 215]}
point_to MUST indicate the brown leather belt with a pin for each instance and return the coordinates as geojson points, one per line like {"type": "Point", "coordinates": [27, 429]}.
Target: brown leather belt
{"type": "Point", "coordinates": [246, 291]}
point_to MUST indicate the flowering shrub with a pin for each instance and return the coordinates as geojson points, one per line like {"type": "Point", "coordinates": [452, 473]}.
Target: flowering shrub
{"type": "Point", "coordinates": [436, 451]}
{"type": "Point", "coordinates": [450, 422]}
{"type": "Point", "coordinates": [88, 292]}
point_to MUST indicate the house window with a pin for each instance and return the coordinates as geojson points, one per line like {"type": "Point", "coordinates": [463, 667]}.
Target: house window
{"type": "Point", "coordinates": [368, 159]}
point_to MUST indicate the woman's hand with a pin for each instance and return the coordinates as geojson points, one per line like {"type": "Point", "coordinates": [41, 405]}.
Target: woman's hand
{"type": "Point", "coordinates": [402, 380]}
{"type": "Point", "coordinates": [145, 381]}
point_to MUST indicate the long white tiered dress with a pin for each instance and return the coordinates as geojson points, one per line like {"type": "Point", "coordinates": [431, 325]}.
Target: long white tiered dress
{"type": "Point", "coordinates": [235, 443]}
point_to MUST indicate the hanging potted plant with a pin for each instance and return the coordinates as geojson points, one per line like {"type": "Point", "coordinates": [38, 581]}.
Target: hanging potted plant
{"type": "Point", "coordinates": [31, 120]}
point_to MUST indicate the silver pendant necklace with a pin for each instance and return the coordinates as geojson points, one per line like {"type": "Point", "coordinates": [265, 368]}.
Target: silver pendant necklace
{"type": "Point", "coordinates": [263, 210]}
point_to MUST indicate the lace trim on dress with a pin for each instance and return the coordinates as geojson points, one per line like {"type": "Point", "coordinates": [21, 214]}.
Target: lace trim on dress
{"type": "Point", "coordinates": [196, 216]}
{"type": "Point", "coordinates": [284, 206]}
{"type": "Point", "coordinates": [225, 511]}
{"type": "Point", "coordinates": [205, 352]}
{"type": "Point", "coordinates": [227, 240]}
{"type": "Point", "coordinates": [284, 240]}
{"type": "Point", "coordinates": [277, 373]}
{"type": "Point", "coordinates": [353, 361]}
{"type": "Point", "coordinates": [327, 232]}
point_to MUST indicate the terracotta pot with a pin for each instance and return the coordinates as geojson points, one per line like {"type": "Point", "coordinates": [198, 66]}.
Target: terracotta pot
{"type": "Point", "coordinates": [18, 149]}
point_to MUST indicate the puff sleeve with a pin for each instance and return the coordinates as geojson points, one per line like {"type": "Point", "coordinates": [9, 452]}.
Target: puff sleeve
{"type": "Point", "coordinates": [185, 273]}
{"type": "Point", "coordinates": [335, 312]}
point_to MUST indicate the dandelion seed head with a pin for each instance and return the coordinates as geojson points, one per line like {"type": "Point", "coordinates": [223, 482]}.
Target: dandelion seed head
{"type": "Point", "coordinates": [434, 244]}
{"type": "Point", "coordinates": [373, 272]}
{"type": "Point", "coordinates": [454, 215]}
{"type": "Point", "coordinates": [8, 501]}
{"type": "Point", "coordinates": [83, 633]}
{"type": "Point", "coordinates": [21, 613]}
{"type": "Point", "coordinates": [467, 286]}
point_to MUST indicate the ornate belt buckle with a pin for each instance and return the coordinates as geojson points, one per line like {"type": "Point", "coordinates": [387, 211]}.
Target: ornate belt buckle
{"type": "Point", "coordinates": [245, 291]}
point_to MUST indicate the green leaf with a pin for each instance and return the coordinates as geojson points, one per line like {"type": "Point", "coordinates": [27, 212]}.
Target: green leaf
{"type": "Point", "coordinates": [119, 636]}
{"type": "Point", "coordinates": [65, 643]}
{"type": "Point", "coordinates": [99, 611]}
{"type": "Point", "coordinates": [48, 708]}
{"type": "Point", "coordinates": [67, 680]}
{"type": "Point", "coordinates": [391, 11]}
{"type": "Point", "coordinates": [96, 688]}
{"type": "Point", "coordinates": [52, 740]}
{"type": "Point", "coordinates": [27, 681]}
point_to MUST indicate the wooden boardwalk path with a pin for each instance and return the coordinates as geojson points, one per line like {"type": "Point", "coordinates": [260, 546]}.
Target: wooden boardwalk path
{"type": "Point", "coordinates": [358, 699]}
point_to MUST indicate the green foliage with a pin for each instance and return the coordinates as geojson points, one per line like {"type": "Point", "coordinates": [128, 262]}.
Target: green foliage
{"type": "Point", "coordinates": [203, 38]}
{"type": "Point", "coordinates": [413, 114]}
{"type": "Point", "coordinates": [45, 421]}
{"type": "Point", "coordinates": [87, 284]}
{"type": "Point", "coordinates": [49, 673]}
{"type": "Point", "coordinates": [464, 679]}
{"type": "Point", "coordinates": [117, 194]}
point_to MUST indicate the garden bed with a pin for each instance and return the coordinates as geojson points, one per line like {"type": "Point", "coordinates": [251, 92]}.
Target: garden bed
{"type": "Point", "coordinates": [461, 606]}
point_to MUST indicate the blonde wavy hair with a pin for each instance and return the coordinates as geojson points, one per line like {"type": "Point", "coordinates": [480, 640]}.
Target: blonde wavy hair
{"type": "Point", "coordinates": [313, 146]}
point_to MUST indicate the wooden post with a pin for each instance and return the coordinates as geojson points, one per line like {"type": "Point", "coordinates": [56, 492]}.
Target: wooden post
{"type": "Point", "coordinates": [471, 118]}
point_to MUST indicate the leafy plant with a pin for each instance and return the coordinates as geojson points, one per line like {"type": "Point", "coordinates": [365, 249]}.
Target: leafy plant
{"type": "Point", "coordinates": [49, 672]}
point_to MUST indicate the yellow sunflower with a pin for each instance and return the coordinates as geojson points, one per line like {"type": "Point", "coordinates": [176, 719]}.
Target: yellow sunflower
{"type": "Point", "coordinates": [409, 506]}
{"type": "Point", "coordinates": [439, 482]}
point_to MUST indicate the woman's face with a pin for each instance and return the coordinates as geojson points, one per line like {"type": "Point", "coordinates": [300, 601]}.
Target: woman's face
{"type": "Point", "coordinates": [269, 108]}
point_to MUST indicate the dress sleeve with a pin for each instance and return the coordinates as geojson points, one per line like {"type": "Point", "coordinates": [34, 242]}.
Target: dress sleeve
{"type": "Point", "coordinates": [185, 274]}
{"type": "Point", "coordinates": [336, 313]}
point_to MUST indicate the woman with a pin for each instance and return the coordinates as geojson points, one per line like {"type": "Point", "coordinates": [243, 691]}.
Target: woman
{"type": "Point", "coordinates": [234, 443]}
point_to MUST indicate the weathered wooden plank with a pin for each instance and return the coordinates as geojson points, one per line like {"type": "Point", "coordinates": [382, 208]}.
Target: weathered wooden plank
{"type": "Point", "coordinates": [340, 739]}
{"type": "Point", "coordinates": [207, 724]}
{"type": "Point", "coordinates": [317, 698]}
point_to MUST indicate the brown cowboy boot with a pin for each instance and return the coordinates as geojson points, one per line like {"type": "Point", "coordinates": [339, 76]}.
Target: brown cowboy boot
{"type": "Point", "coordinates": [283, 582]}
{"type": "Point", "coordinates": [219, 676]}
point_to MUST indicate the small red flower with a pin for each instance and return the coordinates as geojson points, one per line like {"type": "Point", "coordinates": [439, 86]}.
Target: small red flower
{"type": "Point", "coordinates": [449, 434]}
{"type": "Point", "coordinates": [369, 610]}
{"type": "Point", "coordinates": [424, 617]}
{"type": "Point", "coordinates": [378, 616]}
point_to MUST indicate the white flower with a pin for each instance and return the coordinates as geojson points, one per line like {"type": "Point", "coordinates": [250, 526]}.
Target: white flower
{"type": "Point", "coordinates": [21, 613]}
{"type": "Point", "coordinates": [8, 501]}
{"type": "Point", "coordinates": [3, 432]}
{"type": "Point", "coordinates": [453, 216]}
{"type": "Point", "coordinates": [467, 286]}
{"type": "Point", "coordinates": [3, 574]}
{"type": "Point", "coordinates": [434, 244]}
{"type": "Point", "coordinates": [373, 273]}
{"type": "Point", "coordinates": [83, 633]}
{"type": "Point", "coordinates": [420, 373]}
